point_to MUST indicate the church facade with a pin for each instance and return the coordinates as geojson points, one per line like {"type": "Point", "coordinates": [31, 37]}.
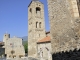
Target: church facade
{"type": "Point", "coordinates": [13, 47]}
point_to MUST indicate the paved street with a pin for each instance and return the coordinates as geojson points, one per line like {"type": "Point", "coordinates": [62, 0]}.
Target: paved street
{"type": "Point", "coordinates": [14, 59]}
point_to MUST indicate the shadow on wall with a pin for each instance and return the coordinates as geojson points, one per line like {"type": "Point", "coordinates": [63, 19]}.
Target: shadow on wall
{"type": "Point", "coordinates": [71, 55]}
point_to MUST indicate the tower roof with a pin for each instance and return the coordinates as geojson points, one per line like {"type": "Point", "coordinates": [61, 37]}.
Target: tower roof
{"type": "Point", "coordinates": [34, 1]}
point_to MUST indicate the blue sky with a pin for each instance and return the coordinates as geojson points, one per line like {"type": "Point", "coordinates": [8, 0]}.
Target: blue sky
{"type": "Point", "coordinates": [14, 17]}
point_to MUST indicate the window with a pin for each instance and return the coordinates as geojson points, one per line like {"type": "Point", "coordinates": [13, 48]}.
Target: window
{"type": "Point", "coordinates": [14, 56]}
{"type": "Point", "coordinates": [36, 24]}
{"type": "Point", "coordinates": [40, 25]}
{"type": "Point", "coordinates": [30, 10]}
{"type": "Point", "coordinates": [38, 11]}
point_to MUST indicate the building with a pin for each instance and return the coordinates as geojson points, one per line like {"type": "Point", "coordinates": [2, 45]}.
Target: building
{"type": "Point", "coordinates": [64, 35]}
{"type": "Point", "coordinates": [64, 17]}
{"type": "Point", "coordinates": [44, 48]}
{"type": "Point", "coordinates": [2, 50]}
{"type": "Point", "coordinates": [13, 47]}
{"type": "Point", "coordinates": [38, 40]}
{"type": "Point", "coordinates": [36, 28]}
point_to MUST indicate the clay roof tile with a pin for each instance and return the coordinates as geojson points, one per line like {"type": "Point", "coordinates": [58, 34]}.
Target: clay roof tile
{"type": "Point", "coordinates": [46, 39]}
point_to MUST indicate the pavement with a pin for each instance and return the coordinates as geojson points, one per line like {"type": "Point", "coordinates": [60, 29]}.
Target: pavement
{"type": "Point", "coordinates": [14, 58]}
{"type": "Point", "coordinates": [31, 58]}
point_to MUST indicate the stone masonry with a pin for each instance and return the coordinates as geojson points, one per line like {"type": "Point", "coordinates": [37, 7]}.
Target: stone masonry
{"type": "Point", "coordinates": [36, 26]}
{"type": "Point", "coordinates": [64, 25]}
{"type": "Point", "coordinates": [13, 47]}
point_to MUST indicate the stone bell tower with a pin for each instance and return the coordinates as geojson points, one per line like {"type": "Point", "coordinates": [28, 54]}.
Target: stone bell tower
{"type": "Point", "coordinates": [36, 26]}
{"type": "Point", "coordinates": [5, 38]}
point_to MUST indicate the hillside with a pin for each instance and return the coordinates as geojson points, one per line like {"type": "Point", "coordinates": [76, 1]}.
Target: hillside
{"type": "Point", "coordinates": [25, 43]}
{"type": "Point", "coordinates": [25, 39]}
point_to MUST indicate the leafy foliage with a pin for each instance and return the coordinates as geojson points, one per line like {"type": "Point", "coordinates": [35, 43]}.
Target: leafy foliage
{"type": "Point", "coordinates": [26, 47]}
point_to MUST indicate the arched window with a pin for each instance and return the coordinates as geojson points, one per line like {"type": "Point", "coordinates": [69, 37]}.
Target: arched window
{"type": "Point", "coordinates": [36, 24]}
{"type": "Point", "coordinates": [39, 24]}
{"type": "Point", "coordinates": [30, 10]}
{"type": "Point", "coordinates": [38, 11]}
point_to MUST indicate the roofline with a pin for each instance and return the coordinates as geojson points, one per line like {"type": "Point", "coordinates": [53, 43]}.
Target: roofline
{"type": "Point", "coordinates": [1, 43]}
{"type": "Point", "coordinates": [31, 2]}
{"type": "Point", "coordinates": [43, 42]}
{"type": "Point", "coordinates": [47, 32]}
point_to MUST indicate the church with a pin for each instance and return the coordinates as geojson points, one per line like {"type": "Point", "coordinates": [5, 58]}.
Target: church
{"type": "Point", "coordinates": [11, 47]}
{"type": "Point", "coordinates": [39, 41]}
{"type": "Point", "coordinates": [63, 40]}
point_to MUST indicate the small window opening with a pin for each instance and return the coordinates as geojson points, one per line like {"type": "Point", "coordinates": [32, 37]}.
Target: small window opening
{"type": "Point", "coordinates": [31, 10]}
{"type": "Point", "coordinates": [38, 9]}
{"type": "Point", "coordinates": [36, 24]}
{"type": "Point", "coordinates": [14, 56]}
{"type": "Point", "coordinates": [40, 25]}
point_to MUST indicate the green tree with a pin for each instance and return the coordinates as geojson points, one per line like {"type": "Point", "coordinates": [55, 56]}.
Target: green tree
{"type": "Point", "coordinates": [26, 47]}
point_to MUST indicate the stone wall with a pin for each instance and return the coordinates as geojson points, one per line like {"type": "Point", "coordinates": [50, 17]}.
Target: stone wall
{"type": "Point", "coordinates": [63, 27]}
{"type": "Point", "coordinates": [14, 44]}
{"type": "Point", "coordinates": [44, 50]}
{"type": "Point", "coordinates": [36, 26]}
